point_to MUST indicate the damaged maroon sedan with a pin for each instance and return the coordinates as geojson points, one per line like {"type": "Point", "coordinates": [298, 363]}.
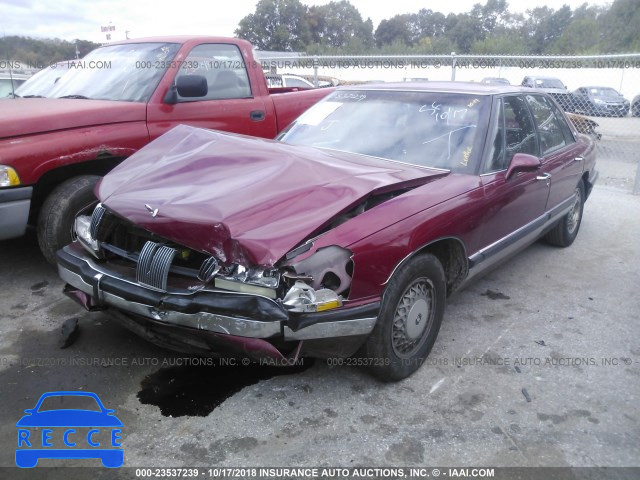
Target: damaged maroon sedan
{"type": "Point", "coordinates": [343, 237]}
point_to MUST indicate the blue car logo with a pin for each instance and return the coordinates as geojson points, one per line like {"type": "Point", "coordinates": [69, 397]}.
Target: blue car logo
{"type": "Point", "coordinates": [70, 425]}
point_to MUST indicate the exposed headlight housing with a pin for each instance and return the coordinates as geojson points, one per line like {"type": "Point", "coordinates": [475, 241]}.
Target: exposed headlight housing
{"type": "Point", "coordinates": [259, 281]}
{"type": "Point", "coordinates": [303, 298]}
{"type": "Point", "coordinates": [8, 177]}
{"type": "Point", "coordinates": [82, 228]}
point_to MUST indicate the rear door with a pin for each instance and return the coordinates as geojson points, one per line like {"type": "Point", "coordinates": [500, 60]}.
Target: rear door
{"type": "Point", "coordinates": [560, 154]}
{"type": "Point", "coordinates": [231, 104]}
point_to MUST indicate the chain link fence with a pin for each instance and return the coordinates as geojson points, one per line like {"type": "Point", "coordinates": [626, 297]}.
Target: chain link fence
{"type": "Point", "coordinates": [600, 92]}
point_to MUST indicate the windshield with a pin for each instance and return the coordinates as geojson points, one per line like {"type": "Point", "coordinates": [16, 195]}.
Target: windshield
{"type": "Point", "coordinates": [42, 82]}
{"type": "Point", "coordinates": [603, 92]}
{"type": "Point", "coordinates": [128, 72]}
{"type": "Point", "coordinates": [420, 128]}
{"type": "Point", "coordinates": [549, 83]}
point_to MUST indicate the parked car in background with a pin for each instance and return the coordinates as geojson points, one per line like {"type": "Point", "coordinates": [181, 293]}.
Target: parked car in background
{"type": "Point", "coordinates": [600, 101]}
{"type": "Point", "coordinates": [495, 81]}
{"type": "Point", "coordinates": [10, 81]}
{"type": "Point", "coordinates": [635, 106]}
{"type": "Point", "coordinates": [554, 87]}
{"type": "Point", "coordinates": [111, 103]}
{"type": "Point", "coordinates": [287, 81]}
{"type": "Point", "coordinates": [345, 235]}
{"type": "Point", "coordinates": [43, 82]}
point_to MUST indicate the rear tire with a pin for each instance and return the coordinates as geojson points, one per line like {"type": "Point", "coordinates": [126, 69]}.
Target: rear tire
{"type": "Point", "coordinates": [410, 317]}
{"type": "Point", "coordinates": [57, 214]}
{"type": "Point", "coordinates": [566, 231]}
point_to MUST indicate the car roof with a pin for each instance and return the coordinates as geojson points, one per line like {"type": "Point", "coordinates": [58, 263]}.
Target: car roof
{"type": "Point", "coordinates": [542, 77]}
{"type": "Point", "coordinates": [472, 88]}
{"type": "Point", "coordinates": [179, 39]}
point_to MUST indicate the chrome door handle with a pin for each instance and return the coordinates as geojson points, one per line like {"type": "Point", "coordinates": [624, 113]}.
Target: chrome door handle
{"type": "Point", "coordinates": [579, 158]}
{"type": "Point", "coordinates": [543, 176]}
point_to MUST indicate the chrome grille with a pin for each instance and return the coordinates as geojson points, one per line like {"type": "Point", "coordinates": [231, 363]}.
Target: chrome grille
{"type": "Point", "coordinates": [96, 218]}
{"type": "Point", "coordinates": [154, 264]}
{"type": "Point", "coordinates": [208, 269]}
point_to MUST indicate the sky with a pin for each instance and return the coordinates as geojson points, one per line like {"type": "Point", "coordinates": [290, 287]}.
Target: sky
{"type": "Point", "coordinates": [71, 19]}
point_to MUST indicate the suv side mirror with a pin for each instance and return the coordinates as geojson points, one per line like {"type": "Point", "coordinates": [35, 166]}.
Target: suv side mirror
{"type": "Point", "coordinates": [522, 162]}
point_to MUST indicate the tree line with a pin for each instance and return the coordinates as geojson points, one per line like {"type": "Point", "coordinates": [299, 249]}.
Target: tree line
{"type": "Point", "coordinates": [38, 53]}
{"type": "Point", "coordinates": [338, 28]}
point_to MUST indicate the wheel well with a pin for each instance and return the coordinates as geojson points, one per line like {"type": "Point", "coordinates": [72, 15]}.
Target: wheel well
{"type": "Point", "coordinates": [47, 182]}
{"type": "Point", "coordinates": [452, 255]}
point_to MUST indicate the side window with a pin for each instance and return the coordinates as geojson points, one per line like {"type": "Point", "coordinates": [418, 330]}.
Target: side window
{"type": "Point", "coordinates": [514, 133]}
{"type": "Point", "coordinates": [223, 67]}
{"type": "Point", "coordinates": [296, 82]}
{"type": "Point", "coordinates": [495, 160]}
{"type": "Point", "coordinates": [564, 125]}
{"type": "Point", "coordinates": [549, 127]}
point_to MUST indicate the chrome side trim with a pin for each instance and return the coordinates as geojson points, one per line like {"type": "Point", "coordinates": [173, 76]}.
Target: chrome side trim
{"type": "Point", "coordinates": [242, 327]}
{"type": "Point", "coordinates": [506, 246]}
{"type": "Point", "coordinates": [344, 328]}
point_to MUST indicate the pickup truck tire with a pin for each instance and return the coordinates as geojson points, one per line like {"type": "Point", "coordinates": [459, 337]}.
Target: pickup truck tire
{"type": "Point", "coordinates": [409, 321]}
{"type": "Point", "coordinates": [57, 214]}
{"type": "Point", "coordinates": [566, 231]}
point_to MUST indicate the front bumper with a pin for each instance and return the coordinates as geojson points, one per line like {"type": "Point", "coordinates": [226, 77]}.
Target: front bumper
{"type": "Point", "coordinates": [216, 313]}
{"type": "Point", "coordinates": [610, 110]}
{"type": "Point", "coordinates": [14, 211]}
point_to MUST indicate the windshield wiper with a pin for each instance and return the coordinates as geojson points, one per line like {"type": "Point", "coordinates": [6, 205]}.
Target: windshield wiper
{"type": "Point", "coordinates": [78, 97]}
{"type": "Point", "coordinates": [31, 96]}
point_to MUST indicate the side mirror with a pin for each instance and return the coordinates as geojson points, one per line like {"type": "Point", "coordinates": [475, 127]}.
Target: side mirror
{"type": "Point", "coordinates": [192, 86]}
{"type": "Point", "coordinates": [522, 162]}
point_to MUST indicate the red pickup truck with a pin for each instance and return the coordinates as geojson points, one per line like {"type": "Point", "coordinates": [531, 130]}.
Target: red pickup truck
{"type": "Point", "coordinates": [113, 102]}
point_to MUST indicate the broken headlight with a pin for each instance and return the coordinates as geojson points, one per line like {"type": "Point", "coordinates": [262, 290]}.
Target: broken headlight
{"type": "Point", "coordinates": [259, 281]}
{"type": "Point", "coordinates": [303, 298]}
{"type": "Point", "coordinates": [82, 228]}
{"type": "Point", "coordinates": [319, 280]}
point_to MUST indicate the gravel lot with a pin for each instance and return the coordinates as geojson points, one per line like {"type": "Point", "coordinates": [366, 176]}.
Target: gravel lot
{"type": "Point", "coordinates": [537, 364]}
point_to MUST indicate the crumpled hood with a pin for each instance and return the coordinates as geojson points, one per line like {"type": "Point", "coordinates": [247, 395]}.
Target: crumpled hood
{"type": "Point", "coordinates": [27, 116]}
{"type": "Point", "coordinates": [243, 199]}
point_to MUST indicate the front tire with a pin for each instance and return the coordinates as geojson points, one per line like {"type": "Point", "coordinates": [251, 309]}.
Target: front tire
{"type": "Point", "coordinates": [57, 214]}
{"type": "Point", "coordinates": [566, 231]}
{"type": "Point", "coordinates": [409, 321]}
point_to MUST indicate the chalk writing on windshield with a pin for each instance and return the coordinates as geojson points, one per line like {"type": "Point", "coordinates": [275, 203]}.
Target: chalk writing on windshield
{"type": "Point", "coordinates": [350, 96]}
{"type": "Point", "coordinates": [466, 155]}
{"type": "Point", "coordinates": [445, 113]}
{"type": "Point", "coordinates": [448, 138]}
